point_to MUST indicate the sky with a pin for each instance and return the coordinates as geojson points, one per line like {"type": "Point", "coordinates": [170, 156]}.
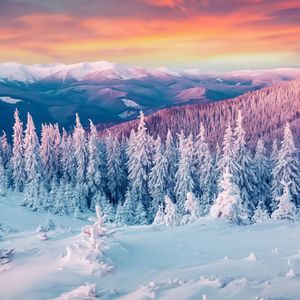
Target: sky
{"type": "Point", "coordinates": [179, 34]}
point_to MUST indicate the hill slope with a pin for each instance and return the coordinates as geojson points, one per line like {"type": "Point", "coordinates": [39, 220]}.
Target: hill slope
{"type": "Point", "coordinates": [265, 113]}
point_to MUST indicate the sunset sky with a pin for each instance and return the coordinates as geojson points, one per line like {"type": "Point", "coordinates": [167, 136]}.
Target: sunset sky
{"type": "Point", "coordinates": [180, 34]}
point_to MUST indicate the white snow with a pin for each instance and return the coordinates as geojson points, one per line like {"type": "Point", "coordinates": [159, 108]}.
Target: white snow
{"type": "Point", "coordinates": [149, 262]}
{"type": "Point", "coordinates": [10, 100]}
{"type": "Point", "coordinates": [130, 103]}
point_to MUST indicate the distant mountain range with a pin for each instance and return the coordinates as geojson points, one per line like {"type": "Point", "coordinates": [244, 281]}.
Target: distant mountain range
{"type": "Point", "coordinates": [109, 93]}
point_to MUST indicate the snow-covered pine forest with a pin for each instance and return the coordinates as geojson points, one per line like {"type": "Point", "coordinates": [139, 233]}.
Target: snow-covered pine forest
{"type": "Point", "coordinates": [144, 180]}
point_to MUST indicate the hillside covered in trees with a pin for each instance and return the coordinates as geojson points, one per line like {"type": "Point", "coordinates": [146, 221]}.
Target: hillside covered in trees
{"type": "Point", "coordinates": [265, 112]}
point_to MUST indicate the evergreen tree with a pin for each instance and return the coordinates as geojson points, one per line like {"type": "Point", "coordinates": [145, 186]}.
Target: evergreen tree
{"type": "Point", "coordinates": [116, 174]}
{"type": "Point", "coordinates": [93, 168]}
{"type": "Point", "coordinates": [263, 174]}
{"type": "Point", "coordinates": [261, 213]}
{"type": "Point", "coordinates": [80, 154]}
{"type": "Point", "coordinates": [158, 179]}
{"type": "Point", "coordinates": [138, 164]}
{"type": "Point", "coordinates": [286, 209]}
{"type": "Point", "coordinates": [192, 209]}
{"type": "Point", "coordinates": [32, 166]}
{"type": "Point", "coordinates": [171, 217]}
{"type": "Point", "coordinates": [127, 214]}
{"type": "Point", "coordinates": [229, 205]}
{"type": "Point", "coordinates": [3, 179]}
{"type": "Point", "coordinates": [160, 215]}
{"type": "Point", "coordinates": [184, 176]}
{"type": "Point", "coordinates": [287, 168]}
{"type": "Point", "coordinates": [17, 160]}
{"type": "Point", "coordinates": [203, 171]}
{"type": "Point", "coordinates": [140, 214]}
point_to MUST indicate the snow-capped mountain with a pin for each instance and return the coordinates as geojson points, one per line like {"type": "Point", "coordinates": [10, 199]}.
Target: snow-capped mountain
{"type": "Point", "coordinates": [54, 92]}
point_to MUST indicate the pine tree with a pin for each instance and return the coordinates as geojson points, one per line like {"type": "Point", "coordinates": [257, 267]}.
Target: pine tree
{"type": "Point", "coordinates": [17, 160]}
{"type": "Point", "coordinates": [261, 213]}
{"type": "Point", "coordinates": [263, 174]}
{"type": "Point", "coordinates": [127, 214]}
{"type": "Point", "coordinates": [172, 161]}
{"type": "Point", "coordinates": [287, 168]}
{"type": "Point", "coordinates": [3, 179]}
{"type": "Point", "coordinates": [192, 209]}
{"type": "Point", "coordinates": [184, 176]}
{"type": "Point", "coordinates": [286, 208]}
{"type": "Point", "coordinates": [228, 205]}
{"type": "Point", "coordinates": [171, 217]}
{"type": "Point", "coordinates": [203, 171]}
{"type": "Point", "coordinates": [80, 153]}
{"type": "Point", "coordinates": [138, 164]}
{"type": "Point", "coordinates": [116, 173]}
{"type": "Point", "coordinates": [32, 166]}
{"type": "Point", "coordinates": [244, 175]}
{"type": "Point", "coordinates": [160, 215]}
{"type": "Point", "coordinates": [93, 168]}
{"type": "Point", "coordinates": [47, 154]}
{"type": "Point", "coordinates": [140, 214]}
{"type": "Point", "coordinates": [158, 179]}
{"type": "Point", "coordinates": [6, 153]}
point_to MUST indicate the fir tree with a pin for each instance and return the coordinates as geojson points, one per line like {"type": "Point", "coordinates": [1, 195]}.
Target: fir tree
{"type": "Point", "coordinates": [228, 205]}
{"type": "Point", "coordinates": [3, 179]}
{"type": "Point", "coordinates": [171, 217]}
{"type": "Point", "coordinates": [184, 176]}
{"type": "Point", "coordinates": [192, 209]}
{"type": "Point", "coordinates": [17, 160]}
{"type": "Point", "coordinates": [261, 213]}
{"type": "Point", "coordinates": [287, 168]}
{"type": "Point", "coordinates": [160, 215]}
{"type": "Point", "coordinates": [158, 179]}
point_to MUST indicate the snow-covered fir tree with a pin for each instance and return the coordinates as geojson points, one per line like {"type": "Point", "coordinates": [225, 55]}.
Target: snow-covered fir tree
{"type": "Point", "coordinates": [192, 209]}
{"type": "Point", "coordinates": [139, 163]}
{"type": "Point", "coordinates": [203, 170]}
{"type": "Point", "coordinates": [3, 178]}
{"type": "Point", "coordinates": [93, 173]}
{"type": "Point", "coordinates": [286, 209]}
{"type": "Point", "coordinates": [244, 175]}
{"type": "Point", "coordinates": [171, 217]}
{"type": "Point", "coordinates": [229, 205]}
{"type": "Point", "coordinates": [17, 160]}
{"type": "Point", "coordinates": [287, 168]}
{"type": "Point", "coordinates": [32, 166]}
{"type": "Point", "coordinates": [116, 173]}
{"type": "Point", "coordinates": [185, 174]}
{"type": "Point", "coordinates": [261, 213]}
{"type": "Point", "coordinates": [263, 174]}
{"type": "Point", "coordinates": [80, 154]}
{"type": "Point", "coordinates": [158, 179]}
{"type": "Point", "coordinates": [159, 216]}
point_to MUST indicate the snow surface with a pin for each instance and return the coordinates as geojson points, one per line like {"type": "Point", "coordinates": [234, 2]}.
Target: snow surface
{"type": "Point", "coordinates": [130, 103]}
{"type": "Point", "coordinates": [205, 260]}
{"type": "Point", "coordinates": [10, 100]}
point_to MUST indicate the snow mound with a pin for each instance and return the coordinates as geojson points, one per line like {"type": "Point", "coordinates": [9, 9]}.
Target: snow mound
{"type": "Point", "coordinates": [251, 257]}
{"type": "Point", "coordinates": [130, 103]}
{"type": "Point", "coordinates": [10, 100]}
{"type": "Point", "coordinates": [84, 292]}
{"type": "Point", "coordinates": [291, 273]}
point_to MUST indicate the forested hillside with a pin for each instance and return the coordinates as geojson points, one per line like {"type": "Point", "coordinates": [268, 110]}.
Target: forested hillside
{"type": "Point", "coordinates": [265, 112]}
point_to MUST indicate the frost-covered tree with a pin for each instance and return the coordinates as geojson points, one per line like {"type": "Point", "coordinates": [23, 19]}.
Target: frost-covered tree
{"type": "Point", "coordinates": [47, 154]}
{"type": "Point", "coordinates": [3, 178]}
{"type": "Point", "coordinates": [185, 173]}
{"type": "Point", "coordinates": [244, 175]}
{"type": "Point", "coordinates": [158, 179]}
{"type": "Point", "coordinates": [287, 168]}
{"type": "Point", "coordinates": [261, 213]}
{"type": "Point", "coordinates": [263, 174]}
{"type": "Point", "coordinates": [159, 216]}
{"type": "Point", "coordinates": [127, 214]}
{"type": "Point", "coordinates": [17, 160]}
{"type": "Point", "coordinates": [203, 170]}
{"type": "Point", "coordinates": [139, 163]}
{"type": "Point", "coordinates": [286, 209]}
{"type": "Point", "coordinates": [171, 217]}
{"type": "Point", "coordinates": [228, 205]}
{"type": "Point", "coordinates": [192, 209]}
{"type": "Point", "coordinates": [140, 214]}
{"type": "Point", "coordinates": [116, 173]}
{"type": "Point", "coordinates": [80, 154]}
{"type": "Point", "coordinates": [93, 168]}
{"type": "Point", "coordinates": [32, 166]}
{"type": "Point", "coordinates": [171, 158]}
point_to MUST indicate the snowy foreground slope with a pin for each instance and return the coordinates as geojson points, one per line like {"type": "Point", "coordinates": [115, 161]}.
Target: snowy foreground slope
{"type": "Point", "coordinates": [207, 260]}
